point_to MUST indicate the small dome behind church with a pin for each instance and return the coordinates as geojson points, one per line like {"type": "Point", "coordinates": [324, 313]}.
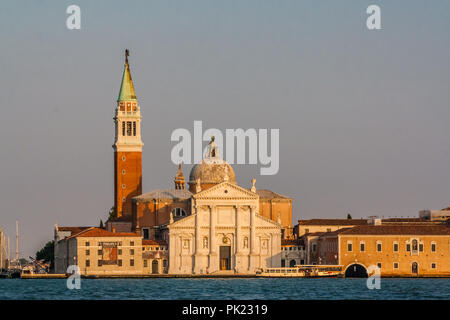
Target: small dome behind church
{"type": "Point", "coordinates": [211, 171]}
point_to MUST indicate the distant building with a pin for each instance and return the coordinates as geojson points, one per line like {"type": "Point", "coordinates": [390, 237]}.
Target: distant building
{"type": "Point", "coordinates": [402, 250]}
{"type": "Point", "coordinates": [292, 252]}
{"type": "Point", "coordinates": [99, 252]}
{"type": "Point", "coordinates": [325, 225]}
{"type": "Point", "coordinates": [155, 257]}
{"type": "Point", "coordinates": [435, 215]}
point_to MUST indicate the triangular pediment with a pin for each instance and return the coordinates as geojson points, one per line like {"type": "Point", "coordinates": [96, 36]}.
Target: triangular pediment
{"type": "Point", "coordinates": [226, 190]}
{"type": "Point", "coordinates": [188, 221]}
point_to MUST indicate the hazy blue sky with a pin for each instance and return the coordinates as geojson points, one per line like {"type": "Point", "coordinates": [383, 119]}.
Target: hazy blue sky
{"type": "Point", "coordinates": [363, 115]}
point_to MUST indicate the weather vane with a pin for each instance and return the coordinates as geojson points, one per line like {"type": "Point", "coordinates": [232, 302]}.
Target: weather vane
{"type": "Point", "coordinates": [127, 53]}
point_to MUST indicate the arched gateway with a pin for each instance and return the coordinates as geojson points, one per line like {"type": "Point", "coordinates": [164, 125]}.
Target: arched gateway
{"type": "Point", "coordinates": [356, 271]}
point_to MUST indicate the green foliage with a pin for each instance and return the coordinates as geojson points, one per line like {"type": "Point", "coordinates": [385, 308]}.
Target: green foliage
{"type": "Point", "coordinates": [112, 213]}
{"type": "Point", "coordinates": [101, 224]}
{"type": "Point", "coordinates": [47, 253]}
{"type": "Point", "coordinates": [349, 216]}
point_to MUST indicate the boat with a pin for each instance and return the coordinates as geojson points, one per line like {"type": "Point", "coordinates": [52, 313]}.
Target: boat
{"type": "Point", "coordinates": [302, 271]}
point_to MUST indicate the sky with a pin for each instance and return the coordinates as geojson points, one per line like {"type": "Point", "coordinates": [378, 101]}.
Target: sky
{"type": "Point", "coordinates": [363, 114]}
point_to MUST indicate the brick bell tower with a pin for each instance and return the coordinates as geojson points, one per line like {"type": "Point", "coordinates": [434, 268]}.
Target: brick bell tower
{"type": "Point", "coordinates": [127, 146]}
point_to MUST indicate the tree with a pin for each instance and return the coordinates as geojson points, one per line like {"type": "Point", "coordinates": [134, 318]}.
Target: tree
{"type": "Point", "coordinates": [101, 224]}
{"type": "Point", "coordinates": [112, 213]}
{"type": "Point", "coordinates": [349, 216]}
{"type": "Point", "coordinates": [47, 253]}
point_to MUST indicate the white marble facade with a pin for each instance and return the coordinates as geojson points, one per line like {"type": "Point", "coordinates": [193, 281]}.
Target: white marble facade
{"type": "Point", "coordinates": [224, 234]}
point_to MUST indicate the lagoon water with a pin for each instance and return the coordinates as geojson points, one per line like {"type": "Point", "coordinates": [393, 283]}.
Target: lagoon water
{"type": "Point", "coordinates": [225, 289]}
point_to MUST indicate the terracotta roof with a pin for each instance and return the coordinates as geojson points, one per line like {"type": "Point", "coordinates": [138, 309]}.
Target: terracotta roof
{"type": "Point", "coordinates": [333, 222]}
{"type": "Point", "coordinates": [97, 232]}
{"type": "Point", "coordinates": [268, 194]}
{"type": "Point", "coordinates": [399, 230]}
{"type": "Point", "coordinates": [73, 230]}
{"type": "Point", "coordinates": [154, 243]}
{"type": "Point", "coordinates": [314, 234]}
{"type": "Point", "coordinates": [334, 233]}
{"type": "Point", "coordinates": [164, 194]}
{"type": "Point", "coordinates": [407, 221]}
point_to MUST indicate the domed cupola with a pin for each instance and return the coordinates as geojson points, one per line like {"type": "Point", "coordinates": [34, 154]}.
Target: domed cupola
{"type": "Point", "coordinates": [211, 171]}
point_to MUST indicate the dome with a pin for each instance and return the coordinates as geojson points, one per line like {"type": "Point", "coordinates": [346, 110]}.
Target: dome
{"type": "Point", "coordinates": [212, 173]}
{"type": "Point", "coordinates": [212, 170]}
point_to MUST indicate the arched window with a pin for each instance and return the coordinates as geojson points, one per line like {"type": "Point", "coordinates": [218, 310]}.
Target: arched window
{"type": "Point", "coordinates": [205, 242]}
{"type": "Point", "coordinates": [178, 212]}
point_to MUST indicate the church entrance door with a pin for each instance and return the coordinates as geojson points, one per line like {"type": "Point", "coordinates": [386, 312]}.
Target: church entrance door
{"type": "Point", "coordinates": [225, 258]}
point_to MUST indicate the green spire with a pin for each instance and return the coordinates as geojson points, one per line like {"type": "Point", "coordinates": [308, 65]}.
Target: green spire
{"type": "Point", "coordinates": [126, 88]}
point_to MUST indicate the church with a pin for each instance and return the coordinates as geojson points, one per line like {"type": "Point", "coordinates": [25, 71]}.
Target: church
{"type": "Point", "coordinates": [209, 223]}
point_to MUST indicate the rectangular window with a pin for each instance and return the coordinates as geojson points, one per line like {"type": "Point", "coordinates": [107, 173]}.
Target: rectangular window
{"type": "Point", "coordinates": [119, 251]}
{"type": "Point", "coordinates": [100, 263]}
{"type": "Point", "coordinates": [379, 265]}
{"type": "Point", "coordinates": [119, 262]}
{"type": "Point", "coordinates": [134, 128]}
{"type": "Point", "coordinates": [362, 247]}
{"type": "Point", "coordinates": [132, 263]}
{"type": "Point", "coordinates": [395, 247]}
{"type": "Point", "coordinates": [408, 247]}
{"type": "Point", "coordinates": [145, 263]}
{"type": "Point", "coordinates": [395, 265]}
{"type": "Point", "coordinates": [349, 247]}
{"type": "Point", "coordinates": [131, 252]}
{"type": "Point", "coordinates": [145, 233]}
{"type": "Point", "coordinates": [100, 252]}
{"type": "Point", "coordinates": [88, 263]}
{"type": "Point", "coordinates": [87, 252]}
{"type": "Point", "coordinates": [433, 265]}
{"type": "Point", "coordinates": [123, 128]}
{"type": "Point", "coordinates": [379, 246]}
{"type": "Point", "coordinates": [314, 247]}
{"type": "Point", "coordinates": [433, 247]}
{"type": "Point", "coordinates": [87, 244]}
{"type": "Point", "coordinates": [131, 243]}
{"type": "Point", "coordinates": [421, 247]}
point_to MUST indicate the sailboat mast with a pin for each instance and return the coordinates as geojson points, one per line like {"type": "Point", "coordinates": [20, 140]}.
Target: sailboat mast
{"type": "Point", "coordinates": [17, 240]}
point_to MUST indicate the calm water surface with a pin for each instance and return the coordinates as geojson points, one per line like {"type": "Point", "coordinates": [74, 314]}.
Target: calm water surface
{"type": "Point", "coordinates": [203, 289]}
